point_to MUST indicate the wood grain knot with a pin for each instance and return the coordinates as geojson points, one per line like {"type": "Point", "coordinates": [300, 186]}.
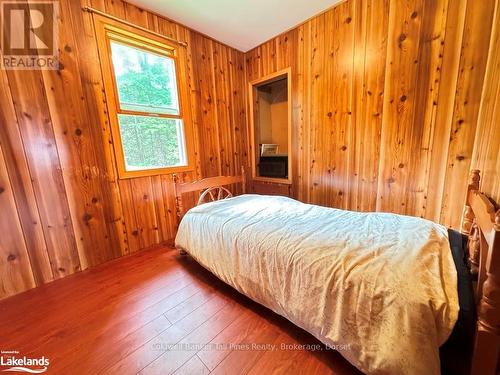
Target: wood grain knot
{"type": "Point", "coordinates": [414, 15]}
{"type": "Point", "coordinates": [402, 37]}
{"type": "Point", "coordinates": [95, 200]}
{"type": "Point", "coordinates": [2, 190]}
{"type": "Point", "coordinates": [11, 258]}
{"type": "Point", "coordinates": [348, 20]}
{"type": "Point", "coordinates": [135, 233]}
{"type": "Point", "coordinates": [403, 98]}
{"type": "Point", "coordinates": [78, 132]}
{"type": "Point", "coordinates": [460, 157]}
{"type": "Point", "coordinates": [87, 217]}
{"type": "Point", "coordinates": [67, 48]}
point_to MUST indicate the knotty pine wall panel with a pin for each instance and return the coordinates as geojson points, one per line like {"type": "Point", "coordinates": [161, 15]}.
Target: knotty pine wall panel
{"type": "Point", "coordinates": [472, 67]}
{"type": "Point", "coordinates": [370, 50]}
{"type": "Point", "coordinates": [67, 208]}
{"type": "Point", "coordinates": [20, 181]}
{"type": "Point", "coordinates": [16, 274]}
{"type": "Point", "coordinates": [387, 97]}
{"type": "Point", "coordinates": [37, 133]}
{"type": "Point", "coordinates": [486, 155]}
{"type": "Point", "coordinates": [391, 109]}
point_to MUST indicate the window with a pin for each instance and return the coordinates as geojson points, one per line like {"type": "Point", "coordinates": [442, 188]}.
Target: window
{"type": "Point", "coordinates": [149, 128]}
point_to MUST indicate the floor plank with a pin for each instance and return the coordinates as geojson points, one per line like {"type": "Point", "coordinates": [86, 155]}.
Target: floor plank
{"type": "Point", "coordinates": [156, 312]}
{"type": "Point", "coordinates": [193, 367]}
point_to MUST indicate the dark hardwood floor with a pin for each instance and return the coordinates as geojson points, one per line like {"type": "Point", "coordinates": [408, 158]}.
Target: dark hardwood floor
{"type": "Point", "coordinates": [156, 312]}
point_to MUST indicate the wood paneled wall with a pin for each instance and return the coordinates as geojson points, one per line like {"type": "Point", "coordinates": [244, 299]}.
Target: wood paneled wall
{"type": "Point", "coordinates": [486, 155]}
{"type": "Point", "coordinates": [393, 103]}
{"type": "Point", "coordinates": [390, 103]}
{"type": "Point", "coordinates": [63, 207]}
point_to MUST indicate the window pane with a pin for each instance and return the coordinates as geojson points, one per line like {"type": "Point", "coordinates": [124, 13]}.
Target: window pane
{"type": "Point", "coordinates": [152, 142]}
{"type": "Point", "coordinates": [146, 81]}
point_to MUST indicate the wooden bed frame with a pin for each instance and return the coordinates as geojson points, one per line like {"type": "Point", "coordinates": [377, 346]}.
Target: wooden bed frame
{"type": "Point", "coordinates": [481, 223]}
{"type": "Point", "coordinates": [205, 185]}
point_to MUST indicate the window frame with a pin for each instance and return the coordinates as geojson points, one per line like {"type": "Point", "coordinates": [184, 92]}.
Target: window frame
{"type": "Point", "coordinates": [109, 30]}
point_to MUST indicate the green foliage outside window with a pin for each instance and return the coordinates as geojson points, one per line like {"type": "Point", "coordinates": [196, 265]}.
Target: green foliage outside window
{"type": "Point", "coordinates": [146, 83]}
{"type": "Point", "coordinates": [150, 142]}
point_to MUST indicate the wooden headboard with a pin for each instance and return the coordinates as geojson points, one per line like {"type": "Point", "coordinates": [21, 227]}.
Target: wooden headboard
{"type": "Point", "coordinates": [481, 223]}
{"type": "Point", "coordinates": [181, 188]}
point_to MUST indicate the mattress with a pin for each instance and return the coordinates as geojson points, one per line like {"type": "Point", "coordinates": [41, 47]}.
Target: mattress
{"type": "Point", "coordinates": [380, 288]}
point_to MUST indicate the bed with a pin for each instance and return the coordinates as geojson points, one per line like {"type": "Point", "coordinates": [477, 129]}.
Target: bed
{"type": "Point", "coordinates": [380, 288]}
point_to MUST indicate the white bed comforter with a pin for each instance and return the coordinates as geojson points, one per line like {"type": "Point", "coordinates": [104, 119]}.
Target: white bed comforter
{"type": "Point", "coordinates": [380, 287]}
